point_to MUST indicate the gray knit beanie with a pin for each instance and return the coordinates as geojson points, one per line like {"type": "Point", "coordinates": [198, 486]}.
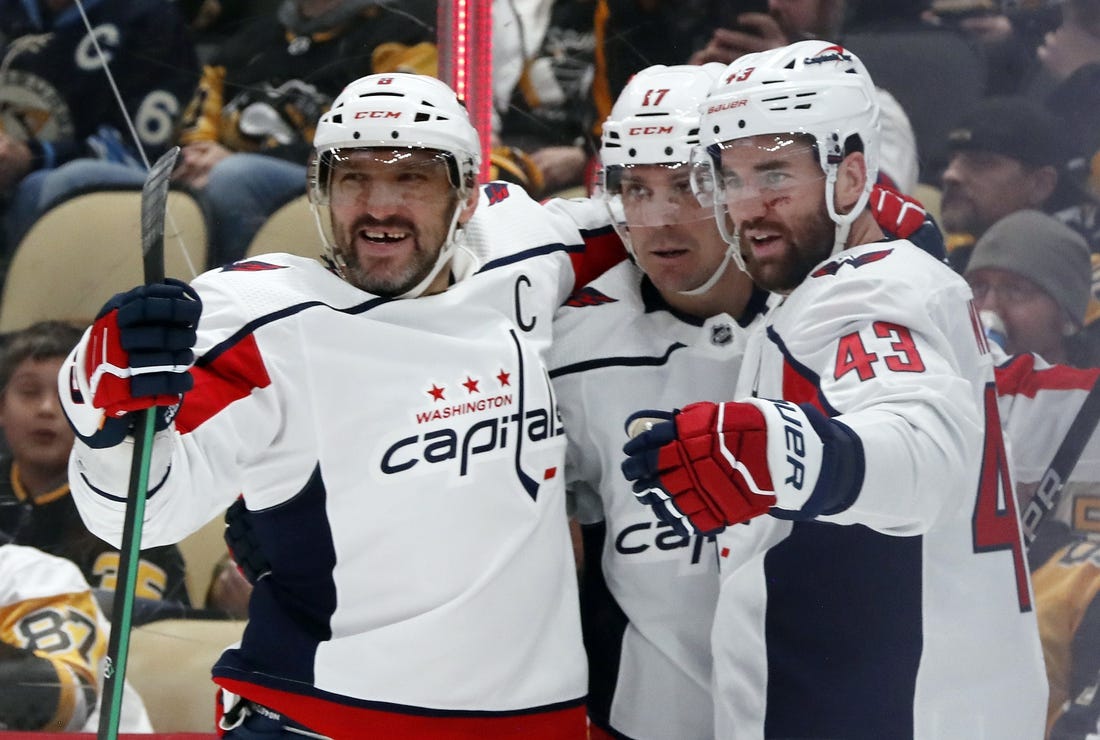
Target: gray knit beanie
{"type": "Point", "coordinates": [1043, 250]}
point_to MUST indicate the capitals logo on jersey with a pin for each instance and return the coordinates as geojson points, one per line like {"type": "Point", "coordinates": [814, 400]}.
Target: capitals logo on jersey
{"type": "Point", "coordinates": [251, 266]}
{"type": "Point", "coordinates": [588, 296]}
{"type": "Point", "coordinates": [477, 416]}
{"type": "Point", "coordinates": [833, 266]}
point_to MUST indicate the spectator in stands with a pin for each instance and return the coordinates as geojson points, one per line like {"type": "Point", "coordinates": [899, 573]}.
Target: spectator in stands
{"type": "Point", "coordinates": [53, 647]}
{"type": "Point", "coordinates": [35, 506]}
{"type": "Point", "coordinates": [1073, 44]}
{"type": "Point", "coordinates": [929, 68]}
{"type": "Point", "coordinates": [784, 22]}
{"type": "Point", "coordinates": [543, 67]}
{"type": "Point", "coordinates": [57, 103]}
{"type": "Point", "coordinates": [1033, 273]}
{"type": "Point", "coordinates": [247, 130]}
{"type": "Point", "coordinates": [1007, 154]}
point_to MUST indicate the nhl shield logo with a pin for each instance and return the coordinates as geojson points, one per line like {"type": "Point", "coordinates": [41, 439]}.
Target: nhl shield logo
{"type": "Point", "coordinates": [721, 334]}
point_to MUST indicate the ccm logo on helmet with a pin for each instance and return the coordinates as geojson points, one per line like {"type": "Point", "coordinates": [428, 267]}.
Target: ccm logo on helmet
{"type": "Point", "coordinates": [377, 114]}
{"type": "Point", "coordinates": [729, 104]}
{"type": "Point", "coordinates": [650, 130]}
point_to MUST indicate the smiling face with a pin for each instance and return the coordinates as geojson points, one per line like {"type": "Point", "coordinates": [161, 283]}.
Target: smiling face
{"type": "Point", "coordinates": [775, 197]}
{"type": "Point", "coordinates": [391, 214]}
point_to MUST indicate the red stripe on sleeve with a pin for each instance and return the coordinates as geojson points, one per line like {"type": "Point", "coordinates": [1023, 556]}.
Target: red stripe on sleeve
{"type": "Point", "coordinates": [231, 376]}
{"type": "Point", "coordinates": [601, 253]}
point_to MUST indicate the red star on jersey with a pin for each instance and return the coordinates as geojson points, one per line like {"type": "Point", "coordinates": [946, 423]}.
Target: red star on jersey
{"type": "Point", "coordinates": [503, 378]}
{"type": "Point", "coordinates": [471, 385]}
{"type": "Point", "coordinates": [436, 393]}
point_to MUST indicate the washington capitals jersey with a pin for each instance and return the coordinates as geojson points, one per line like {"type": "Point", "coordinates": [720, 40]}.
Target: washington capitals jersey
{"type": "Point", "coordinates": [1038, 402]}
{"type": "Point", "coordinates": [402, 462]}
{"type": "Point", "coordinates": [648, 594]}
{"type": "Point", "coordinates": [910, 613]}
{"type": "Point", "coordinates": [54, 90]}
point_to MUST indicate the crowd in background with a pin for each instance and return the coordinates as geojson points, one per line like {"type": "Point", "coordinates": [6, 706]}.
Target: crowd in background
{"type": "Point", "coordinates": [991, 115]}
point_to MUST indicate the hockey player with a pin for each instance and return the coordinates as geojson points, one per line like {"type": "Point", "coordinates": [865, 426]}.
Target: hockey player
{"type": "Point", "coordinates": [53, 643]}
{"type": "Point", "coordinates": [879, 588]}
{"type": "Point", "coordinates": [662, 330]}
{"type": "Point", "coordinates": [401, 460]}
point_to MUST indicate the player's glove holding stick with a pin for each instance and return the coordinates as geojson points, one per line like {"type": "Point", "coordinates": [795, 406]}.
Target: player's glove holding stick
{"type": "Point", "coordinates": [139, 353]}
{"type": "Point", "coordinates": [710, 465]}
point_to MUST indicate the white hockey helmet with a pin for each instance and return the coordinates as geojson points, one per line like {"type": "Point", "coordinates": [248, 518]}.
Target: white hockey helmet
{"type": "Point", "coordinates": [811, 87]}
{"type": "Point", "coordinates": [396, 111]}
{"type": "Point", "coordinates": [655, 121]}
{"type": "Point", "coordinates": [656, 117]}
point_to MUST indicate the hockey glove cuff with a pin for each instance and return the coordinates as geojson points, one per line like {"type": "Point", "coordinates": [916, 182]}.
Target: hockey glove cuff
{"type": "Point", "coordinates": [714, 465]}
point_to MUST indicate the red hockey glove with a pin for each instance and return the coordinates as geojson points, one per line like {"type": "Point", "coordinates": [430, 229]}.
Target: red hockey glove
{"type": "Point", "coordinates": [902, 217]}
{"type": "Point", "coordinates": [704, 469]}
{"type": "Point", "coordinates": [712, 465]}
{"type": "Point", "coordinates": [139, 349]}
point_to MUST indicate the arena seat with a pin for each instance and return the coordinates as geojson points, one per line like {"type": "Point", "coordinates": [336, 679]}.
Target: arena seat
{"type": "Point", "coordinates": [87, 248]}
{"type": "Point", "coordinates": [169, 665]}
{"type": "Point", "coordinates": [290, 229]}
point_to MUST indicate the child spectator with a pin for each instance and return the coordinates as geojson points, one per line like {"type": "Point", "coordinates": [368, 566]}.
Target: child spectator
{"type": "Point", "coordinates": [35, 506]}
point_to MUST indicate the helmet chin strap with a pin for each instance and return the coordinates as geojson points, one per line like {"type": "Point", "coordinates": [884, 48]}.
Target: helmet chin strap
{"type": "Point", "coordinates": [715, 276]}
{"type": "Point", "coordinates": [443, 259]}
{"type": "Point", "coordinates": [446, 251]}
{"type": "Point", "coordinates": [843, 221]}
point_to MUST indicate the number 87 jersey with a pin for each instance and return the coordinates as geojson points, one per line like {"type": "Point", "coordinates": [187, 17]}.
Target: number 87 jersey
{"type": "Point", "coordinates": [908, 613]}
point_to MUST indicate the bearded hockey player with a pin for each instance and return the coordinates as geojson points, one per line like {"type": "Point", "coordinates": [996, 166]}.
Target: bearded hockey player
{"type": "Point", "coordinates": [390, 427]}
{"type": "Point", "coordinates": [875, 583]}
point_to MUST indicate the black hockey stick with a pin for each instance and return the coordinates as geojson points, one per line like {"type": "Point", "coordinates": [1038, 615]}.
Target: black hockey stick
{"type": "Point", "coordinates": [1049, 492]}
{"type": "Point", "coordinates": [154, 202]}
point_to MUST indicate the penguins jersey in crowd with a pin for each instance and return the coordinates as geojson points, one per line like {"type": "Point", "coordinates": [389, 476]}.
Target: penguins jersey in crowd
{"type": "Point", "coordinates": [52, 524]}
{"type": "Point", "coordinates": [402, 463]}
{"type": "Point", "coordinates": [55, 94]}
{"type": "Point", "coordinates": [268, 84]}
{"type": "Point", "coordinates": [648, 594]}
{"type": "Point", "coordinates": [908, 613]}
{"type": "Point", "coordinates": [53, 644]}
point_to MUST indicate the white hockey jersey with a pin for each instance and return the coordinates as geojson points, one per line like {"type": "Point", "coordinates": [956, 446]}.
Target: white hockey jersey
{"type": "Point", "coordinates": [648, 594]}
{"type": "Point", "coordinates": [47, 606]}
{"type": "Point", "coordinates": [402, 461]}
{"type": "Point", "coordinates": [909, 614]}
{"type": "Point", "coordinates": [1038, 404]}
